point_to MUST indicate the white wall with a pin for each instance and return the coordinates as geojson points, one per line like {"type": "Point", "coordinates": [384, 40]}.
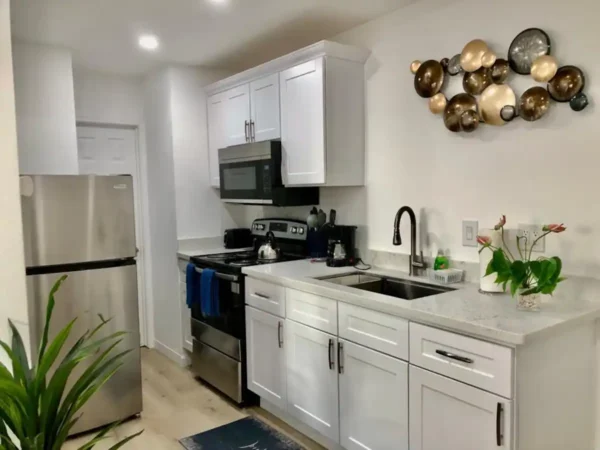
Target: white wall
{"type": "Point", "coordinates": [45, 109]}
{"type": "Point", "coordinates": [162, 214]}
{"type": "Point", "coordinates": [532, 172]}
{"type": "Point", "coordinates": [13, 298]}
{"type": "Point", "coordinates": [200, 212]}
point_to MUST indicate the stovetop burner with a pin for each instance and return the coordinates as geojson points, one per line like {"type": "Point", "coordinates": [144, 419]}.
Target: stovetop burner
{"type": "Point", "coordinates": [235, 261]}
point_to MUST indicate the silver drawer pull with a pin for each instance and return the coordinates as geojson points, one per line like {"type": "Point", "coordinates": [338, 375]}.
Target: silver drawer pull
{"type": "Point", "coordinates": [455, 357]}
{"type": "Point", "coordinates": [265, 297]}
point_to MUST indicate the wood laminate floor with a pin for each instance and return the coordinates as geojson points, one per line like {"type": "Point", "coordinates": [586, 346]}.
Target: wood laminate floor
{"type": "Point", "coordinates": [175, 406]}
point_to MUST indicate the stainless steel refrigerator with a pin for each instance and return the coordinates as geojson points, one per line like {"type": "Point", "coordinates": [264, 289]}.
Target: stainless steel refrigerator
{"type": "Point", "coordinates": [83, 226]}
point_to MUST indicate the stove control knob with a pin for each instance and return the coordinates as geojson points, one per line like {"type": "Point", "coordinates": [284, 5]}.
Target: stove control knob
{"type": "Point", "coordinates": [300, 230]}
{"type": "Point", "coordinates": [294, 230]}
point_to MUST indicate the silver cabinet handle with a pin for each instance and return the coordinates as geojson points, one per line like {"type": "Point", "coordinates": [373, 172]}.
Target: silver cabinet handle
{"type": "Point", "coordinates": [340, 358]}
{"type": "Point", "coordinates": [330, 355]}
{"type": "Point", "coordinates": [455, 357]}
{"type": "Point", "coordinates": [280, 334]}
{"type": "Point", "coordinates": [246, 130]}
{"type": "Point", "coordinates": [264, 297]}
{"type": "Point", "coordinates": [253, 130]}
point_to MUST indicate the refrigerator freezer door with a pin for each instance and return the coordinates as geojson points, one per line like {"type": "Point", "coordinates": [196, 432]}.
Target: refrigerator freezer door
{"type": "Point", "coordinates": [77, 218]}
{"type": "Point", "coordinates": [111, 292]}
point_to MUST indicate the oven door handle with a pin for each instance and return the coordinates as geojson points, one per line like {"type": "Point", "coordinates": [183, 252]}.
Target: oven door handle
{"type": "Point", "coordinates": [223, 276]}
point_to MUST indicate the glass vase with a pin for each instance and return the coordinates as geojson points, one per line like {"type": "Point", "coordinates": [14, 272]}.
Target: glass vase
{"type": "Point", "coordinates": [531, 302]}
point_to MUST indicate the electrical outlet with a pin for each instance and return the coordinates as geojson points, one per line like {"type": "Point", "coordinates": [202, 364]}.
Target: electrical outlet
{"type": "Point", "coordinates": [470, 228]}
{"type": "Point", "coordinates": [528, 234]}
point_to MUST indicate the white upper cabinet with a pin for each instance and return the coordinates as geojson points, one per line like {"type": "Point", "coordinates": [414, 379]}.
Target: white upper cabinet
{"type": "Point", "coordinates": [264, 109]}
{"type": "Point", "coordinates": [303, 123]}
{"type": "Point", "coordinates": [314, 100]}
{"type": "Point", "coordinates": [449, 415]}
{"type": "Point", "coordinates": [217, 135]}
{"type": "Point", "coordinates": [237, 115]}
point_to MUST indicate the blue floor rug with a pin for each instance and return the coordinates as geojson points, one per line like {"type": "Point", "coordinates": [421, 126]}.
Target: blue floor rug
{"type": "Point", "coordinates": [248, 433]}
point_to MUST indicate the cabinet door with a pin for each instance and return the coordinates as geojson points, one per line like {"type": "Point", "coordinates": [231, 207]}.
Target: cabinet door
{"type": "Point", "coordinates": [217, 135]}
{"type": "Point", "coordinates": [265, 356]}
{"type": "Point", "coordinates": [449, 415]}
{"type": "Point", "coordinates": [264, 103]}
{"type": "Point", "coordinates": [186, 318]}
{"type": "Point", "coordinates": [237, 115]}
{"type": "Point", "coordinates": [312, 378]}
{"type": "Point", "coordinates": [373, 399]}
{"type": "Point", "coordinates": [303, 124]}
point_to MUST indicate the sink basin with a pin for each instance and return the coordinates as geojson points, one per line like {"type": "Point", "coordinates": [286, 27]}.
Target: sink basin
{"type": "Point", "coordinates": [404, 289]}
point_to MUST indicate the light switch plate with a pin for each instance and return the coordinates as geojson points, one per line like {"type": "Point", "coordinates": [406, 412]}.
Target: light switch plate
{"type": "Point", "coordinates": [470, 228]}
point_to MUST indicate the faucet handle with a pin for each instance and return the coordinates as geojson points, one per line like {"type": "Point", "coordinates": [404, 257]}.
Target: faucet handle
{"type": "Point", "coordinates": [420, 262]}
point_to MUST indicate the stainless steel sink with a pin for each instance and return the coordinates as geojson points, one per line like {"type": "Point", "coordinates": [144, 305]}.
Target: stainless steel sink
{"type": "Point", "coordinates": [404, 289]}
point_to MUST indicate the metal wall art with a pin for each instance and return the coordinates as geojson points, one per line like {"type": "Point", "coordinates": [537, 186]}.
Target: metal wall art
{"type": "Point", "coordinates": [487, 99]}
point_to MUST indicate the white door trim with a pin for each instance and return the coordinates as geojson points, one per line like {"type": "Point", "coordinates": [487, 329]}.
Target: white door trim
{"type": "Point", "coordinates": [142, 229]}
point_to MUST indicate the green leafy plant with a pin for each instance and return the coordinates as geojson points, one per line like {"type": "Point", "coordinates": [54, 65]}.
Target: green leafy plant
{"type": "Point", "coordinates": [35, 403]}
{"type": "Point", "coordinates": [540, 276]}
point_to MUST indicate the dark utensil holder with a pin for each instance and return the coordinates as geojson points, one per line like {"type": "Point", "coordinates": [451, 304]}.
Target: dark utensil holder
{"type": "Point", "coordinates": [317, 241]}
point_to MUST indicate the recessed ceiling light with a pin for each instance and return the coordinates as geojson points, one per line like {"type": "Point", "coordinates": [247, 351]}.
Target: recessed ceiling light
{"type": "Point", "coordinates": [219, 2]}
{"type": "Point", "coordinates": [148, 42]}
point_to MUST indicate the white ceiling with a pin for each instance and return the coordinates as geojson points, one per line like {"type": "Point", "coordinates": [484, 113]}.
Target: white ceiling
{"type": "Point", "coordinates": [237, 34]}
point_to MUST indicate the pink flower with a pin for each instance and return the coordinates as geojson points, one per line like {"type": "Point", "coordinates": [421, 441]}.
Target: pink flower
{"type": "Point", "coordinates": [555, 228]}
{"type": "Point", "coordinates": [501, 223]}
{"type": "Point", "coordinates": [486, 241]}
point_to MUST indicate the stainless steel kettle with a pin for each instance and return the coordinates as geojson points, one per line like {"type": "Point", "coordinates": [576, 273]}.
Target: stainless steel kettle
{"type": "Point", "coordinates": [269, 250]}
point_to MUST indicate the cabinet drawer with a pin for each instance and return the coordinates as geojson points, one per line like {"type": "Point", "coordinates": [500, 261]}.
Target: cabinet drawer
{"type": "Point", "coordinates": [375, 330]}
{"type": "Point", "coordinates": [312, 310]}
{"type": "Point", "coordinates": [265, 296]}
{"type": "Point", "coordinates": [478, 363]}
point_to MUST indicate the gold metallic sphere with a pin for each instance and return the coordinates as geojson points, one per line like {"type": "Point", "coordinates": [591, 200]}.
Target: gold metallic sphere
{"type": "Point", "coordinates": [470, 58]}
{"type": "Point", "coordinates": [492, 100]}
{"type": "Point", "coordinates": [544, 68]}
{"type": "Point", "coordinates": [488, 59]}
{"type": "Point", "coordinates": [438, 103]}
{"type": "Point", "coordinates": [414, 66]}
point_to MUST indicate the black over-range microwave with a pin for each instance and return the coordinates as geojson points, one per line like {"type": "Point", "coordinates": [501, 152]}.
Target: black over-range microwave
{"type": "Point", "coordinates": [251, 174]}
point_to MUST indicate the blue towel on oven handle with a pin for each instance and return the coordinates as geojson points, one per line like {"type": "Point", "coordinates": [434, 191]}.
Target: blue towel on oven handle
{"type": "Point", "coordinates": [209, 293]}
{"type": "Point", "coordinates": [192, 285]}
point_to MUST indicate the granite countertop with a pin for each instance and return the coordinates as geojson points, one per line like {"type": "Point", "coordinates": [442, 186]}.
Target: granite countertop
{"type": "Point", "coordinates": [466, 310]}
{"type": "Point", "coordinates": [203, 246]}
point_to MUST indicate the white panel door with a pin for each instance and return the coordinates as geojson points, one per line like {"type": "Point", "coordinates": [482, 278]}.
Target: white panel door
{"type": "Point", "coordinates": [237, 115]}
{"type": "Point", "coordinates": [217, 135]}
{"type": "Point", "coordinates": [373, 399]}
{"type": "Point", "coordinates": [449, 415]}
{"type": "Point", "coordinates": [303, 124]}
{"type": "Point", "coordinates": [113, 151]}
{"type": "Point", "coordinates": [312, 378]}
{"type": "Point", "coordinates": [266, 357]}
{"type": "Point", "coordinates": [264, 103]}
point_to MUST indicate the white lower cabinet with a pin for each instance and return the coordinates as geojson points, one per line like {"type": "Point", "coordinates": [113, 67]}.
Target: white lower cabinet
{"type": "Point", "coordinates": [373, 399]}
{"type": "Point", "coordinates": [449, 415]}
{"type": "Point", "coordinates": [266, 375]}
{"type": "Point", "coordinates": [312, 378]}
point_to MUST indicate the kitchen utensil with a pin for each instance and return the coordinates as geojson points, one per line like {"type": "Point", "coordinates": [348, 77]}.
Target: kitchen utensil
{"type": "Point", "coordinates": [321, 219]}
{"type": "Point", "coordinates": [269, 250]}
{"type": "Point", "coordinates": [528, 46]}
{"type": "Point", "coordinates": [312, 219]}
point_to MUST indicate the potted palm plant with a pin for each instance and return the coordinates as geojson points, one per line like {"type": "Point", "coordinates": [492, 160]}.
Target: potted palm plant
{"type": "Point", "coordinates": [36, 405]}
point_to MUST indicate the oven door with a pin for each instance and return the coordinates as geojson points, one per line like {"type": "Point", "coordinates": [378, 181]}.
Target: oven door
{"type": "Point", "coordinates": [230, 319]}
{"type": "Point", "coordinates": [247, 182]}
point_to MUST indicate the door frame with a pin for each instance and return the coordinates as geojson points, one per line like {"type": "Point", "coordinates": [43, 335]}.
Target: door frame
{"type": "Point", "coordinates": [142, 229]}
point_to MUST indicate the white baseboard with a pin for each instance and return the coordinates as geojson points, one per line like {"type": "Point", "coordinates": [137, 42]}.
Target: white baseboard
{"type": "Point", "coordinates": [302, 428]}
{"type": "Point", "coordinates": [181, 360]}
